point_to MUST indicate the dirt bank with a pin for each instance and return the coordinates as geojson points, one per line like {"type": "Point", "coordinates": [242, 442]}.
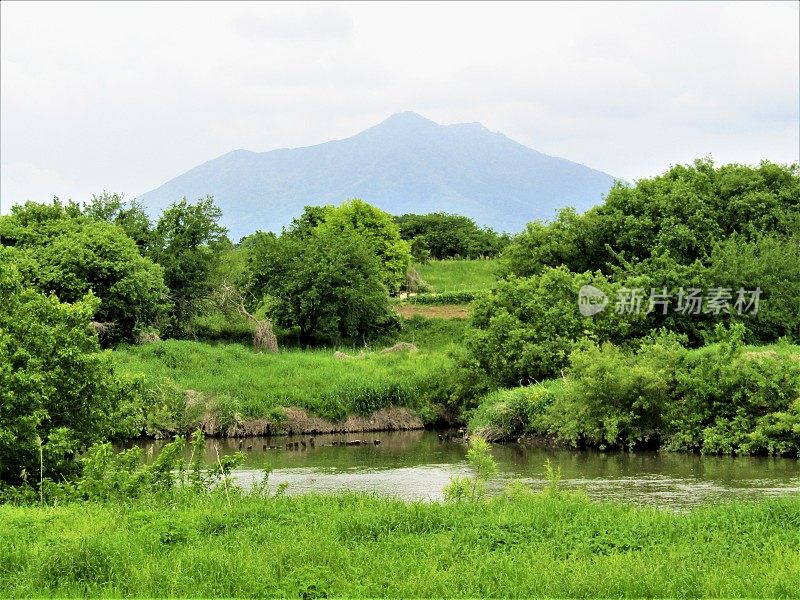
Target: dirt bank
{"type": "Point", "coordinates": [297, 421]}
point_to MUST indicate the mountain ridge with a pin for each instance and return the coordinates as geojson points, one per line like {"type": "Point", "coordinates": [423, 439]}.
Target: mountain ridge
{"type": "Point", "coordinates": [406, 163]}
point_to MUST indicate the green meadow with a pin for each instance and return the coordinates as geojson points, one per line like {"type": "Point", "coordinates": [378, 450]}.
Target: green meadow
{"type": "Point", "coordinates": [447, 276]}
{"type": "Point", "coordinates": [553, 545]}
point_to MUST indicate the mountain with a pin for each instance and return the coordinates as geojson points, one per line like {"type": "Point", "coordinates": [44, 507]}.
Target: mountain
{"type": "Point", "coordinates": [406, 164]}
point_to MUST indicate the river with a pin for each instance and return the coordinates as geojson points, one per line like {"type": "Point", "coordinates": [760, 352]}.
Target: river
{"type": "Point", "coordinates": [416, 465]}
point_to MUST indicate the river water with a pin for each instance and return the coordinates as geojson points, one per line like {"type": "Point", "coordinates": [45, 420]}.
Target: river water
{"type": "Point", "coordinates": [418, 464]}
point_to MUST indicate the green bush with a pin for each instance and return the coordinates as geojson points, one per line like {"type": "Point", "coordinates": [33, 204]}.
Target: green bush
{"type": "Point", "coordinates": [616, 398]}
{"type": "Point", "coordinates": [721, 399]}
{"type": "Point", "coordinates": [525, 329]}
{"type": "Point", "coordinates": [58, 393]}
{"type": "Point", "coordinates": [443, 298]}
{"type": "Point", "coordinates": [733, 400]}
{"type": "Point", "coordinates": [510, 413]}
{"type": "Point", "coordinates": [60, 251]}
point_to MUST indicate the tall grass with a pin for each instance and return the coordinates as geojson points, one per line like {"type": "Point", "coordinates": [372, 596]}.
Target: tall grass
{"type": "Point", "coordinates": [448, 276]}
{"type": "Point", "coordinates": [360, 546]}
{"type": "Point", "coordinates": [247, 384]}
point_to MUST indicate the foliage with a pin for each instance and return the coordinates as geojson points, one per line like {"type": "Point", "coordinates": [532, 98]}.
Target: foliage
{"type": "Point", "coordinates": [187, 243]}
{"type": "Point", "coordinates": [129, 215]}
{"type": "Point", "coordinates": [614, 398]}
{"type": "Point", "coordinates": [327, 286]}
{"type": "Point", "coordinates": [443, 298]}
{"type": "Point", "coordinates": [479, 457]}
{"type": "Point", "coordinates": [526, 328]}
{"type": "Point", "coordinates": [732, 400]}
{"type": "Point", "coordinates": [350, 545]}
{"type": "Point", "coordinates": [732, 228]}
{"type": "Point", "coordinates": [379, 234]}
{"type": "Point", "coordinates": [61, 251]}
{"type": "Point", "coordinates": [771, 264]}
{"type": "Point", "coordinates": [121, 477]}
{"type": "Point", "coordinates": [508, 414]}
{"type": "Point", "coordinates": [58, 393]}
{"type": "Point", "coordinates": [441, 235]}
{"type": "Point", "coordinates": [724, 398]}
{"type": "Point", "coordinates": [683, 213]}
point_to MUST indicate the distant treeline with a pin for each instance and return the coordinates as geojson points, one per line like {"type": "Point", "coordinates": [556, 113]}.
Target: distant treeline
{"type": "Point", "coordinates": [441, 235]}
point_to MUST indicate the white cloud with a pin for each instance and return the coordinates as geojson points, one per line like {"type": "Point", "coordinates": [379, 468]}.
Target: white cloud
{"type": "Point", "coordinates": [124, 96]}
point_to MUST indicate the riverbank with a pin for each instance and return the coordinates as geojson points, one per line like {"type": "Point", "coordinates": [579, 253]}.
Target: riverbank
{"type": "Point", "coordinates": [360, 546]}
{"type": "Point", "coordinates": [230, 390]}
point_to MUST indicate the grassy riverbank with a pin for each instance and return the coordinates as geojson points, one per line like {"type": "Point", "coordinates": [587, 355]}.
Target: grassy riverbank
{"type": "Point", "coordinates": [232, 383]}
{"type": "Point", "coordinates": [351, 545]}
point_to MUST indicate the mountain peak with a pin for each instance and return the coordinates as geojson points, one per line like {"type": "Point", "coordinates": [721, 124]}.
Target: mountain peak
{"type": "Point", "coordinates": [408, 117]}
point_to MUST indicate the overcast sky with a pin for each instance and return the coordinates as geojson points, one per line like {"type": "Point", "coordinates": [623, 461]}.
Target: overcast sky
{"type": "Point", "coordinates": [122, 97]}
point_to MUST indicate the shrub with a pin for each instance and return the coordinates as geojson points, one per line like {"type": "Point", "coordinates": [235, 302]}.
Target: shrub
{"type": "Point", "coordinates": [616, 398]}
{"type": "Point", "coordinates": [510, 413]}
{"type": "Point", "coordinates": [526, 328]}
{"type": "Point", "coordinates": [58, 393]}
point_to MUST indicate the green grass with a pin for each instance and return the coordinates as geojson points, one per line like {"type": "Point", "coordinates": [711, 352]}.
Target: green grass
{"type": "Point", "coordinates": [237, 380]}
{"type": "Point", "coordinates": [360, 546]}
{"type": "Point", "coordinates": [445, 276]}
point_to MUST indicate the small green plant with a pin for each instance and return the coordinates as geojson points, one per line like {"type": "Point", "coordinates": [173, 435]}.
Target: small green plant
{"type": "Point", "coordinates": [553, 478]}
{"type": "Point", "coordinates": [480, 458]}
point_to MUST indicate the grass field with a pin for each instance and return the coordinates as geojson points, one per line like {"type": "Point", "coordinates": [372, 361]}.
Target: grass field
{"type": "Point", "coordinates": [408, 310]}
{"type": "Point", "coordinates": [360, 546]}
{"type": "Point", "coordinates": [237, 382]}
{"type": "Point", "coordinates": [444, 276]}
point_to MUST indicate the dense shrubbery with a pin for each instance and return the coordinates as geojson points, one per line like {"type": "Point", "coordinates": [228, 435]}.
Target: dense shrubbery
{"type": "Point", "coordinates": [721, 399]}
{"type": "Point", "coordinates": [730, 228]}
{"type": "Point", "coordinates": [444, 298]}
{"type": "Point", "coordinates": [683, 214]}
{"type": "Point", "coordinates": [526, 328]}
{"type": "Point", "coordinates": [57, 389]}
{"type": "Point", "coordinates": [327, 287]}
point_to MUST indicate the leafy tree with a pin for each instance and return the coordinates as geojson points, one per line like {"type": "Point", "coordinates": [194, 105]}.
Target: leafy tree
{"type": "Point", "coordinates": [57, 390]}
{"type": "Point", "coordinates": [328, 286]}
{"type": "Point", "coordinates": [130, 216]}
{"type": "Point", "coordinates": [61, 251]}
{"type": "Point", "coordinates": [525, 329]}
{"type": "Point", "coordinates": [378, 232]}
{"type": "Point", "coordinates": [683, 213]}
{"type": "Point", "coordinates": [442, 235]}
{"type": "Point", "coordinates": [187, 243]}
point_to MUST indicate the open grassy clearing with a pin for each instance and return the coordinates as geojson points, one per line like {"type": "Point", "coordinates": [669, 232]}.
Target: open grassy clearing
{"type": "Point", "coordinates": [445, 276]}
{"type": "Point", "coordinates": [360, 546]}
{"type": "Point", "coordinates": [408, 310]}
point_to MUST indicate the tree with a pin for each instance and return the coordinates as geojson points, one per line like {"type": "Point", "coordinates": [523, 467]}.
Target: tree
{"type": "Point", "coordinates": [449, 236]}
{"type": "Point", "coordinates": [187, 244]}
{"type": "Point", "coordinates": [327, 286]}
{"type": "Point", "coordinates": [379, 234]}
{"type": "Point", "coordinates": [525, 329]}
{"type": "Point", "coordinates": [130, 216]}
{"type": "Point", "coordinates": [61, 251]}
{"type": "Point", "coordinates": [57, 389]}
{"type": "Point", "coordinates": [683, 213]}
